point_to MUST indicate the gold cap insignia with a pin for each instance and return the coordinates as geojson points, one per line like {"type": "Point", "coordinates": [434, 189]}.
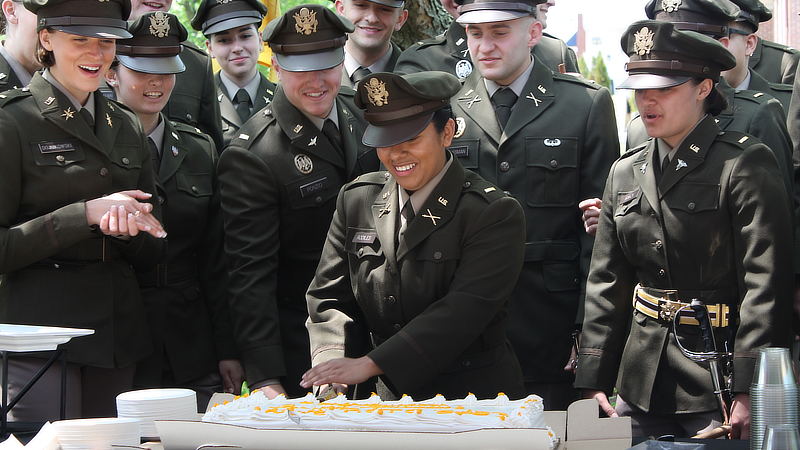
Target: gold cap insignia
{"type": "Point", "coordinates": [159, 24]}
{"type": "Point", "coordinates": [670, 6]}
{"type": "Point", "coordinates": [644, 41]}
{"type": "Point", "coordinates": [303, 164]}
{"type": "Point", "coordinates": [376, 92]}
{"type": "Point", "coordinates": [222, 2]}
{"type": "Point", "coordinates": [306, 21]}
{"type": "Point", "coordinates": [461, 126]}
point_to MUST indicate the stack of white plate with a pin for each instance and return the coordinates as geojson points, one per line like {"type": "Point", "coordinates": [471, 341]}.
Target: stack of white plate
{"type": "Point", "coordinates": [97, 434]}
{"type": "Point", "coordinates": [149, 405]}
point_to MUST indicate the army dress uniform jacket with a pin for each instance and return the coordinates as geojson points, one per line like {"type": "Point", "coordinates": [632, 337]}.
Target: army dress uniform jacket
{"type": "Point", "coordinates": [193, 100]}
{"type": "Point", "coordinates": [781, 92]}
{"type": "Point", "coordinates": [8, 78]}
{"type": "Point", "coordinates": [556, 150]}
{"type": "Point", "coordinates": [51, 260]}
{"type": "Point", "coordinates": [435, 302]}
{"type": "Point", "coordinates": [715, 229]}
{"type": "Point", "coordinates": [279, 179]}
{"type": "Point", "coordinates": [775, 62]}
{"type": "Point", "coordinates": [186, 295]}
{"type": "Point", "coordinates": [231, 122]}
{"type": "Point", "coordinates": [449, 53]}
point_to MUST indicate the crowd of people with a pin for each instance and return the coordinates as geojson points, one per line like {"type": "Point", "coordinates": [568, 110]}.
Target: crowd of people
{"type": "Point", "coordinates": [450, 218]}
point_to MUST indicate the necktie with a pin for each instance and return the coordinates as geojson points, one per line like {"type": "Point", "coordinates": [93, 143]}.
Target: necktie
{"type": "Point", "coordinates": [243, 104]}
{"type": "Point", "coordinates": [330, 131]}
{"type": "Point", "coordinates": [503, 100]}
{"type": "Point", "coordinates": [408, 213]}
{"type": "Point", "coordinates": [660, 170]}
{"type": "Point", "coordinates": [359, 74]}
{"type": "Point", "coordinates": [154, 155]}
{"type": "Point", "coordinates": [87, 116]}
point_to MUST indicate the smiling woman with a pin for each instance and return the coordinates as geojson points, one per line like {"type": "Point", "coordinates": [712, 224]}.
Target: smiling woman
{"type": "Point", "coordinates": [78, 213]}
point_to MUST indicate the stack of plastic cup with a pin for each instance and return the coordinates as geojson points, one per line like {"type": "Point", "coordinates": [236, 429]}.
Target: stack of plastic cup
{"type": "Point", "coordinates": [781, 437]}
{"type": "Point", "coordinates": [773, 394]}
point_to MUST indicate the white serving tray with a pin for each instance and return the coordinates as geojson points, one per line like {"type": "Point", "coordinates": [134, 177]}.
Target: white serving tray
{"type": "Point", "coordinates": [184, 435]}
{"type": "Point", "coordinates": [30, 338]}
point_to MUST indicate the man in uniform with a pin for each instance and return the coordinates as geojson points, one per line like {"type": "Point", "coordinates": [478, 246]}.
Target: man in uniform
{"type": "Point", "coordinates": [279, 180]}
{"type": "Point", "coordinates": [369, 48]}
{"type": "Point", "coordinates": [548, 140]}
{"type": "Point", "coordinates": [448, 52]}
{"type": "Point", "coordinates": [233, 39]}
{"type": "Point", "coordinates": [775, 62]}
{"type": "Point", "coordinates": [193, 100]}
{"type": "Point", "coordinates": [18, 51]}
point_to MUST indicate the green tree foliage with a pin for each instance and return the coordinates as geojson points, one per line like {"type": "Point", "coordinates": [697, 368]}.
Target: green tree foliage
{"type": "Point", "coordinates": [600, 72]}
{"type": "Point", "coordinates": [583, 68]}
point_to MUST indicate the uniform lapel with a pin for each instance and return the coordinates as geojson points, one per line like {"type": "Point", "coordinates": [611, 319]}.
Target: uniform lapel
{"type": "Point", "coordinates": [475, 102]}
{"type": "Point", "coordinates": [107, 121]}
{"type": "Point", "coordinates": [457, 41]}
{"type": "Point", "coordinates": [536, 97]}
{"type": "Point", "coordinates": [689, 155]}
{"type": "Point", "coordinates": [347, 125]}
{"type": "Point", "coordinates": [304, 135]}
{"type": "Point", "coordinates": [643, 174]}
{"type": "Point", "coordinates": [57, 108]}
{"type": "Point", "coordinates": [8, 79]}
{"type": "Point", "coordinates": [173, 152]}
{"type": "Point", "coordinates": [724, 118]}
{"type": "Point", "coordinates": [266, 90]}
{"type": "Point", "coordinates": [226, 108]}
{"type": "Point", "coordinates": [384, 214]}
{"type": "Point", "coordinates": [437, 210]}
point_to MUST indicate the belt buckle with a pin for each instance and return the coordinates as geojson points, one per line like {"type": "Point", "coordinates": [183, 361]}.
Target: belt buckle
{"type": "Point", "coordinates": [667, 309]}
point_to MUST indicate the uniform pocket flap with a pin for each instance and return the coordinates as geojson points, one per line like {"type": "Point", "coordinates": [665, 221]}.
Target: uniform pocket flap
{"type": "Point", "coordinates": [551, 153]}
{"type": "Point", "coordinates": [362, 242]}
{"type": "Point", "coordinates": [442, 247]}
{"type": "Point", "coordinates": [694, 197]}
{"type": "Point", "coordinates": [196, 184]}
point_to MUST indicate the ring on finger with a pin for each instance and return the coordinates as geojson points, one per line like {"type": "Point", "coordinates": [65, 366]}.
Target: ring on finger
{"type": "Point", "coordinates": [137, 213]}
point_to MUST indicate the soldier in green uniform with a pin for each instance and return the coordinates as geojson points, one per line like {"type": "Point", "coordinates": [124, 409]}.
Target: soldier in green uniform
{"type": "Point", "coordinates": [279, 180]}
{"type": "Point", "coordinates": [78, 214]}
{"type": "Point", "coordinates": [18, 49]}
{"type": "Point", "coordinates": [695, 213]}
{"type": "Point", "coordinates": [775, 62]}
{"type": "Point", "coordinates": [547, 139]}
{"type": "Point", "coordinates": [755, 112]}
{"type": "Point", "coordinates": [233, 39]}
{"type": "Point", "coordinates": [369, 48]}
{"type": "Point", "coordinates": [420, 258]}
{"type": "Point", "coordinates": [185, 296]}
{"type": "Point", "coordinates": [194, 99]}
{"type": "Point", "coordinates": [448, 52]}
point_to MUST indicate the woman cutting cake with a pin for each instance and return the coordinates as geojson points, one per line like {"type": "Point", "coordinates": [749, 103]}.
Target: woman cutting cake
{"type": "Point", "coordinates": [416, 294]}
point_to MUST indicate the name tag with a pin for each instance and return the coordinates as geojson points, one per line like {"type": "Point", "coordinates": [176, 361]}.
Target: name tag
{"type": "Point", "coordinates": [56, 147]}
{"type": "Point", "coordinates": [461, 151]}
{"type": "Point", "coordinates": [630, 196]}
{"type": "Point", "coordinates": [314, 186]}
{"type": "Point", "coordinates": [363, 237]}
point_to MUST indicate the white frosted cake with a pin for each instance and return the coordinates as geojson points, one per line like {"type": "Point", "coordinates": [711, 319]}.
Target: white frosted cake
{"type": "Point", "coordinates": [373, 414]}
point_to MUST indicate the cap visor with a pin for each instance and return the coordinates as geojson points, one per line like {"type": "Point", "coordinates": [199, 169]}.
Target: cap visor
{"type": "Point", "coordinates": [97, 32]}
{"type": "Point", "coordinates": [489, 15]}
{"type": "Point", "coordinates": [386, 136]}
{"type": "Point", "coordinates": [311, 61]}
{"type": "Point", "coordinates": [651, 81]}
{"type": "Point", "coordinates": [157, 65]}
{"type": "Point", "coordinates": [230, 24]}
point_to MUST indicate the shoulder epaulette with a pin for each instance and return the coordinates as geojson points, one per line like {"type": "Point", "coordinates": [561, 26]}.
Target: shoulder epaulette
{"type": "Point", "coordinates": [737, 138]}
{"type": "Point", "coordinates": [781, 87]}
{"type": "Point", "coordinates": [436, 40]}
{"type": "Point", "coordinates": [347, 91]}
{"type": "Point", "coordinates": [782, 47]}
{"type": "Point", "coordinates": [253, 128]}
{"type": "Point", "coordinates": [473, 183]}
{"type": "Point", "coordinates": [753, 96]}
{"type": "Point", "coordinates": [12, 95]}
{"type": "Point", "coordinates": [376, 178]}
{"type": "Point", "coordinates": [180, 126]}
{"type": "Point", "coordinates": [577, 80]}
{"type": "Point", "coordinates": [634, 150]}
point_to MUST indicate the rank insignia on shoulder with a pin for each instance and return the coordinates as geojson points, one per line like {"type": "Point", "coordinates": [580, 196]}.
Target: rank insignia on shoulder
{"type": "Point", "coordinates": [460, 41]}
{"type": "Point", "coordinates": [175, 136]}
{"type": "Point", "coordinates": [2, 75]}
{"type": "Point", "coordinates": [758, 94]}
{"type": "Point", "coordinates": [743, 139]}
{"type": "Point", "coordinates": [489, 189]}
{"type": "Point", "coordinates": [244, 137]}
{"type": "Point", "coordinates": [303, 163]}
{"type": "Point", "coordinates": [108, 120]}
